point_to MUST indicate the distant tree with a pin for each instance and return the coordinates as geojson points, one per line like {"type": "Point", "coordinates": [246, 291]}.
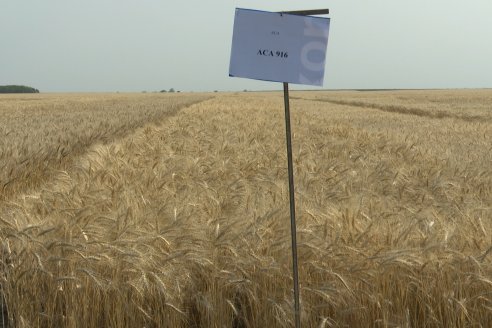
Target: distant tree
{"type": "Point", "coordinates": [163, 91]}
{"type": "Point", "coordinates": [171, 90]}
{"type": "Point", "coordinates": [17, 89]}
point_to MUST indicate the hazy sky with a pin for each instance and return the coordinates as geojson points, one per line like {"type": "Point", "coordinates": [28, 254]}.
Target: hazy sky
{"type": "Point", "coordinates": [130, 45]}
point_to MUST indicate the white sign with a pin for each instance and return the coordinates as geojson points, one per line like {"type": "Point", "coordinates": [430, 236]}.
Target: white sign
{"type": "Point", "coordinates": [279, 47]}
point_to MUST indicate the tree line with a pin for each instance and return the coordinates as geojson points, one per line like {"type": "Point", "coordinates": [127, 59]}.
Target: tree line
{"type": "Point", "coordinates": [17, 89]}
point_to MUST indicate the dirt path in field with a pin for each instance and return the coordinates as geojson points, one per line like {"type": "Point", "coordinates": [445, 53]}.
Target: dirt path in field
{"type": "Point", "coordinates": [34, 161]}
{"type": "Point", "coordinates": [404, 109]}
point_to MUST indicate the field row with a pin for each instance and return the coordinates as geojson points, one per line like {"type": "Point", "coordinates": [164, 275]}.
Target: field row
{"type": "Point", "coordinates": [468, 105]}
{"type": "Point", "coordinates": [43, 133]}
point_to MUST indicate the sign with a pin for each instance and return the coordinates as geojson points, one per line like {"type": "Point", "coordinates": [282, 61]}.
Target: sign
{"type": "Point", "coordinates": [279, 47]}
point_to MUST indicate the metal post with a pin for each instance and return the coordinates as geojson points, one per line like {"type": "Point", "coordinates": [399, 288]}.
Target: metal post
{"type": "Point", "coordinates": [290, 166]}
{"type": "Point", "coordinates": [293, 228]}
{"type": "Point", "coordinates": [308, 12]}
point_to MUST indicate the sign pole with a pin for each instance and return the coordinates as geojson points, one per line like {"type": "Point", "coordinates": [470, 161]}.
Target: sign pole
{"type": "Point", "coordinates": [290, 166]}
{"type": "Point", "coordinates": [293, 228]}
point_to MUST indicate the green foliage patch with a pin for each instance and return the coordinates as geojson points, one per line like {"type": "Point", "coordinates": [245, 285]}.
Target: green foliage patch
{"type": "Point", "coordinates": [17, 89]}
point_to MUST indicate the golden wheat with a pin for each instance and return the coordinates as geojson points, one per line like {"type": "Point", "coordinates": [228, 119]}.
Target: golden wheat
{"type": "Point", "coordinates": [186, 224]}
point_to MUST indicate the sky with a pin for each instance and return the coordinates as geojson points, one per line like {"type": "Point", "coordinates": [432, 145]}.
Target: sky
{"type": "Point", "coordinates": [150, 45]}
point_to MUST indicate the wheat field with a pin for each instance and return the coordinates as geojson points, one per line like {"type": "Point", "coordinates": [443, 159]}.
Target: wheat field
{"type": "Point", "coordinates": [180, 217]}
